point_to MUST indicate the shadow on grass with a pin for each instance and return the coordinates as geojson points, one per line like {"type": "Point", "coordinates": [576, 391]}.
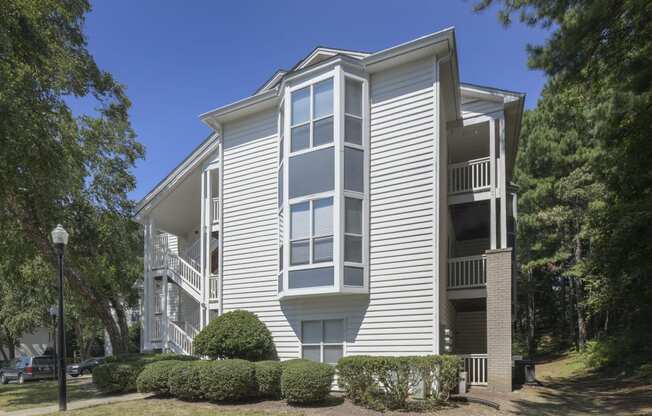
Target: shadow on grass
{"type": "Point", "coordinates": [43, 393]}
{"type": "Point", "coordinates": [590, 393]}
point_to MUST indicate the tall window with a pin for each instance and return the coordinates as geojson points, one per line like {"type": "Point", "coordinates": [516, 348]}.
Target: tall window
{"type": "Point", "coordinates": [322, 341]}
{"type": "Point", "coordinates": [312, 116]}
{"type": "Point", "coordinates": [323, 196]}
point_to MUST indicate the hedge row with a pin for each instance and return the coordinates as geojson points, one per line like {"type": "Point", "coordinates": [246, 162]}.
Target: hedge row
{"type": "Point", "coordinates": [298, 381]}
{"type": "Point", "coordinates": [119, 373]}
{"type": "Point", "coordinates": [387, 382]}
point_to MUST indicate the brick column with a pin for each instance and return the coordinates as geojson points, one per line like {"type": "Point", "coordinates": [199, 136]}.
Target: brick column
{"type": "Point", "coordinates": [499, 319]}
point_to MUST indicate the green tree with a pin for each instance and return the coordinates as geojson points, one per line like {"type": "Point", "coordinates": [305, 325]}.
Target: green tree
{"type": "Point", "coordinates": [601, 52]}
{"type": "Point", "coordinates": [56, 167]}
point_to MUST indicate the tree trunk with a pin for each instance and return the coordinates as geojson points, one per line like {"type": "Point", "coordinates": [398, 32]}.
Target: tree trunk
{"type": "Point", "coordinates": [579, 298]}
{"type": "Point", "coordinates": [531, 347]}
{"type": "Point", "coordinates": [2, 351]}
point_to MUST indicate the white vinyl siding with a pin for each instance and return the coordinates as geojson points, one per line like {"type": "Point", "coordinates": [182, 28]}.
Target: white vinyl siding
{"type": "Point", "coordinates": [399, 318]}
{"type": "Point", "coordinates": [250, 216]}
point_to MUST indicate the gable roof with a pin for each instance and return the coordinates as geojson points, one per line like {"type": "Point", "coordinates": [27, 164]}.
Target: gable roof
{"type": "Point", "coordinates": [440, 42]}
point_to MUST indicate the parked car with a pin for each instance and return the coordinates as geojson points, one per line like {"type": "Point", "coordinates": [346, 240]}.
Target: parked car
{"type": "Point", "coordinates": [29, 368]}
{"type": "Point", "coordinates": [85, 367]}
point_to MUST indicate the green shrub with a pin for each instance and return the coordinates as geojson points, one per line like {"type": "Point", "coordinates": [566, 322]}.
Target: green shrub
{"type": "Point", "coordinates": [116, 377]}
{"type": "Point", "coordinates": [305, 382]}
{"type": "Point", "coordinates": [387, 382]}
{"type": "Point", "coordinates": [236, 334]}
{"type": "Point", "coordinates": [185, 381]}
{"type": "Point", "coordinates": [155, 376]}
{"type": "Point", "coordinates": [227, 380]}
{"type": "Point", "coordinates": [119, 373]}
{"type": "Point", "coordinates": [268, 378]}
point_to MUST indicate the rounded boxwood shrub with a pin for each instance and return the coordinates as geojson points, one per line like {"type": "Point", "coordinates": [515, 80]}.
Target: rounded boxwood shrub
{"type": "Point", "coordinates": [268, 378]}
{"type": "Point", "coordinates": [185, 382]}
{"type": "Point", "coordinates": [116, 377]}
{"type": "Point", "coordinates": [236, 334]}
{"type": "Point", "coordinates": [119, 373]}
{"type": "Point", "coordinates": [305, 382]}
{"type": "Point", "coordinates": [155, 376]}
{"type": "Point", "coordinates": [227, 380]}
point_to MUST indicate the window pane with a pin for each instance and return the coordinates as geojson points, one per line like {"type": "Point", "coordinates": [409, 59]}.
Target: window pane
{"type": "Point", "coordinates": [280, 282]}
{"type": "Point", "coordinates": [352, 248]}
{"type": "Point", "coordinates": [353, 168]}
{"type": "Point", "coordinates": [300, 252]}
{"type": "Point", "coordinates": [322, 249]}
{"type": "Point", "coordinates": [300, 221]}
{"type": "Point", "coordinates": [300, 106]}
{"type": "Point", "coordinates": [322, 276]}
{"type": "Point", "coordinates": [312, 353]}
{"type": "Point", "coordinates": [322, 131]}
{"type": "Point", "coordinates": [353, 99]}
{"type": "Point", "coordinates": [280, 150]}
{"type": "Point", "coordinates": [353, 215]}
{"type": "Point", "coordinates": [300, 138]}
{"type": "Point", "coordinates": [333, 353]}
{"type": "Point", "coordinates": [280, 257]}
{"type": "Point", "coordinates": [323, 98]}
{"type": "Point", "coordinates": [334, 331]}
{"type": "Point", "coordinates": [353, 130]}
{"type": "Point", "coordinates": [353, 276]}
{"type": "Point", "coordinates": [311, 332]}
{"type": "Point", "coordinates": [312, 172]}
{"type": "Point", "coordinates": [322, 220]}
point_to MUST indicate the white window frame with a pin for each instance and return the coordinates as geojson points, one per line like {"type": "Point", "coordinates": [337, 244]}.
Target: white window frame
{"type": "Point", "coordinates": [311, 117]}
{"type": "Point", "coordinates": [323, 344]}
{"type": "Point", "coordinates": [339, 75]}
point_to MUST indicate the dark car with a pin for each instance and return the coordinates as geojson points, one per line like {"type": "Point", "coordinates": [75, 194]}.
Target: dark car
{"type": "Point", "coordinates": [85, 367]}
{"type": "Point", "coordinates": [28, 368]}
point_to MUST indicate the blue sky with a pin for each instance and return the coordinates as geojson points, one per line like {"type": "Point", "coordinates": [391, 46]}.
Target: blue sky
{"type": "Point", "coordinates": [180, 59]}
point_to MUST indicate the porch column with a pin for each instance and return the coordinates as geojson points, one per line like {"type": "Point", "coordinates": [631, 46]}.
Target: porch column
{"type": "Point", "coordinates": [499, 319]}
{"type": "Point", "coordinates": [492, 189]}
{"type": "Point", "coordinates": [502, 182]}
{"type": "Point", "coordinates": [147, 280]}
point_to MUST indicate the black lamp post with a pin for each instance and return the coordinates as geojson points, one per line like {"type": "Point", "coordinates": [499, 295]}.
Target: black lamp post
{"type": "Point", "coordinates": [60, 239]}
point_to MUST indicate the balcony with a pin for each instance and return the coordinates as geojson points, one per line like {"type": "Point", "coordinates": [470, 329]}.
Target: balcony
{"type": "Point", "coordinates": [213, 287]}
{"type": "Point", "coordinates": [475, 366]}
{"type": "Point", "coordinates": [215, 210]}
{"type": "Point", "coordinates": [470, 176]}
{"type": "Point", "coordinates": [467, 272]}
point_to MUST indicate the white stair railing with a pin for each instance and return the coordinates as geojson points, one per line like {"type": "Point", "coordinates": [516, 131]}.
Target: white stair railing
{"type": "Point", "coordinates": [185, 271]}
{"type": "Point", "coordinates": [475, 366]}
{"type": "Point", "coordinates": [467, 272]}
{"type": "Point", "coordinates": [180, 338]}
{"type": "Point", "coordinates": [175, 263]}
{"type": "Point", "coordinates": [193, 254]}
{"type": "Point", "coordinates": [472, 175]}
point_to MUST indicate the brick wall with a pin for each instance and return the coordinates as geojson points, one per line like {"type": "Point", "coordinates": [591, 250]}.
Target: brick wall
{"type": "Point", "coordinates": [499, 319]}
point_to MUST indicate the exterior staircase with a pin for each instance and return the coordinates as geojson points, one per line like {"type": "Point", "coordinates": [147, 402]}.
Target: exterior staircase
{"type": "Point", "coordinates": [184, 271]}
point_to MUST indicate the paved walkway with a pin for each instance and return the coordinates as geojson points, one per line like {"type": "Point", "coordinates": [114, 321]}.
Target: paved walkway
{"type": "Point", "coordinates": [77, 404]}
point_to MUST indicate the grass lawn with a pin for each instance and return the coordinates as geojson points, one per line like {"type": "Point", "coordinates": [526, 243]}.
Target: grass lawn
{"type": "Point", "coordinates": [15, 396]}
{"type": "Point", "coordinates": [168, 408]}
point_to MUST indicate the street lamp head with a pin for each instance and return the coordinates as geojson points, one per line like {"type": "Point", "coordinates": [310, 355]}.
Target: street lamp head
{"type": "Point", "coordinates": [59, 236]}
{"type": "Point", "coordinates": [53, 311]}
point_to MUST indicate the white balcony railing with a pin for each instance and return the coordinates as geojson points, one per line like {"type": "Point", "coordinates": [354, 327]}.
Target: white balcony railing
{"type": "Point", "coordinates": [180, 338]}
{"type": "Point", "coordinates": [159, 250]}
{"type": "Point", "coordinates": [156, 330]}
{"type": "Point", "coordinates": [213, 283]}
{"type": "Point", "coordinates": [467, 272]}
{"type": "Point", "coordinates": [475, 366]}
{"type": "Point", "coordinates": [470, 176]}
{"type": "Point", "coordinates": [215, 209]}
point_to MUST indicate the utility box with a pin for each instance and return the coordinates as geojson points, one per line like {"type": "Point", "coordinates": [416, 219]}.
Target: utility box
{"type": "Point", "coordinates": [461, 386]}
